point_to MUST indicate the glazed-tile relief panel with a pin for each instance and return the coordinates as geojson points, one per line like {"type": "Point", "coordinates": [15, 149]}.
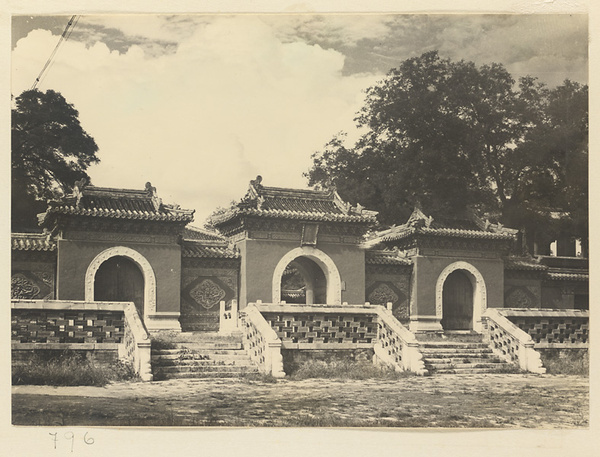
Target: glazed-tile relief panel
{"type": "Point", "coordinates": [200, 297]}
{"type": "Point", "coordinates": [32, 280]}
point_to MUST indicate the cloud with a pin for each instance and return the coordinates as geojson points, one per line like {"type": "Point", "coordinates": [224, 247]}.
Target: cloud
{"type": "Point", "coordinates": [231, 101]}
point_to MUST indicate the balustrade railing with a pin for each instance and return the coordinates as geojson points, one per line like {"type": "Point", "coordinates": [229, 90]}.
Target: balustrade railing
{"type": "Point", "coordinates": [396, 345]}
{"type": "Point", "coordinates": [335, 327]}
{"type": "Point", "coordinates": [510, 342]}
{"type": "Point", "coordinates": [137, 345]}
{"type": "Point", "coordinates": [85, 326]}
{"type": "Point", "coordinates": [261, 342]}
{"type": "Point", "coordinates": [228, 317]}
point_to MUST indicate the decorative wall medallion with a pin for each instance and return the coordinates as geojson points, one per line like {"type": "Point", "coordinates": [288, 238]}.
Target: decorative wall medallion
{"type": "Point", "coordinates": [46, 277]}
{"type": "Point", "coordinates": [23, 287]}
{"type": "Point", "coordinates": [207, 293]}
{"type": "Point", "coordinates": [519, 297]}
{"type": "Point", "coordinates": [382, 294]}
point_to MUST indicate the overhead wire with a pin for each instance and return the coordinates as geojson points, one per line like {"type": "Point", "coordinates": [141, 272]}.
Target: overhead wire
{"type": "Point", "coordinates": [64, 37]}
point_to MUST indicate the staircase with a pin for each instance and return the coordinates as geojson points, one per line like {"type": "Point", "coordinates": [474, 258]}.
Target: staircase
{"type": "Point", "coordinates": [199, 355]}
{"type": "Point", "coordinates": [460, 353]}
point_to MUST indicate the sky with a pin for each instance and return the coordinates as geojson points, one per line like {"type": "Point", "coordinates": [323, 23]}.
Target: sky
{"type": "Point", "coordinates": [200, 104]}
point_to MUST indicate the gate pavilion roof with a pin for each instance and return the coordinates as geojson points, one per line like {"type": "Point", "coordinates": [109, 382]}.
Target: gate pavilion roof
{"type": "Point", "coordinates": [297, 204]}
{"type": "Point", "coordinates": [466, 225]}
{"type": "Point", "coordinates": [130, 204]}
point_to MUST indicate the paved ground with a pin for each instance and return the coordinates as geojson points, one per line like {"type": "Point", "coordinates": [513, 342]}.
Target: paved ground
{"type": "Point", "coordinates": [482, 400]}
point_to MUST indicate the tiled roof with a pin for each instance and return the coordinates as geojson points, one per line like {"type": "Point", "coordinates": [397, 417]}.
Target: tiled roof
{"type": "Point", "coordinates": [386, 258]}
{"type": "Point", "coordinates": [196, 233]}
{"type": "Point", "coordinates": [569, 275]}
{"type": "Point", "coordinates": [401, 232]}
{"type": "Point", "coordinates": [118, 204]}
{"type": "Point", "coordinates": [208, 249]}
{"type": "Point", "coordinates": [32, 242]}
{"type": "Point", "coordinates": [461, 227]}
{"type": "Point", "coordinates": [298, 204]}
{"type": "Point", "coordinates": [513, 263]}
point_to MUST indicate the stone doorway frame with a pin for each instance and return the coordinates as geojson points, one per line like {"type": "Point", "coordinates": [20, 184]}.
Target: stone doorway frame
{"type": "Point", "coordinates": [139, 260]}
{"type": "Point", "coordinates": [330, 270]}
{"type": "Point", "coordinates": [479, 291]}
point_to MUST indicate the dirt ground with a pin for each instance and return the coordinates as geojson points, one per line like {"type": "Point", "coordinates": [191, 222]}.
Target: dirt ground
{"type": "Point", "coordinates": [473, 401]}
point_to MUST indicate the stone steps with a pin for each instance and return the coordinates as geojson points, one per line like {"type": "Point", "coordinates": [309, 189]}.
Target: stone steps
{"type": "Point", "coordinates": [220, 369]}
{"type": "Point", "coordinates": [460, 354]}
{"type": "Point", "coordinates": [201, 355]}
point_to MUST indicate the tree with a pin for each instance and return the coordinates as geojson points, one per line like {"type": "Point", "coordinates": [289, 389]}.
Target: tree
{"type": "Point", "coordinates": [450, 135]}
{"type": "Point", "coordinates": [50, 151]}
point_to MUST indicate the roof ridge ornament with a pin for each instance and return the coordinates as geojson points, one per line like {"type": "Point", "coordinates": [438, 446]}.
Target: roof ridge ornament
{"type": "Point", "coordinates": [151, 190]}
{"type": "Point", "coordinates": [78, 191]}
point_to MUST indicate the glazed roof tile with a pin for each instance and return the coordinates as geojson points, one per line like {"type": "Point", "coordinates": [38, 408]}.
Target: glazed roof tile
{"type": "Point", "coordinates": [32, 242]}
{"type": "Point", "coordinates": [513, 263]}
{"type": "Point", "coordinates": [568, 276]}
{"type": "Point", "coordinates": [206, 249]}
{"type": "Point", "coordinates": [381, 257]}
{"type": "Point", "coordinates": [398, 233]}
{"type": "Point", "coordinates": [464, 226]}
{"type": "Point", "coordinates": [196, 233]}
{"type": "Point", "coordinates": [118, 204]}
{"type": "Point", "coordinates": [298, 204]}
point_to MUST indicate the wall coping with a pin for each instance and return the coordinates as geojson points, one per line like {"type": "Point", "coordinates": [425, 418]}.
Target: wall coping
{"type": "Point", "coordinates": [326, 309]}
{"type": "Point", "coordinates": [66, 346]}
{"type": "Point", "coordinates": [543, 312]}
{"type": "Point", "coordinates": [68, 305]}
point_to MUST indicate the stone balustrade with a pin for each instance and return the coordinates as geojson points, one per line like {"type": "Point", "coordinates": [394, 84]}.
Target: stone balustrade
{"type": "Point", "coordinates": [228, 317]}
{"type": "Point", "coordinates": [322, 326]}
{"type": "Point", "coordinates": [82, 326]}
{"type": "Point", "coordinates": [552, 328]}
{"type": "Point", "coordinates": [396, 345]}
{"type": "Point", "coordinates": [510, 342]}
{"type": "Point", "coordinates": [261, 342]}
{"type": "Point", "coordinates": [333, 327]}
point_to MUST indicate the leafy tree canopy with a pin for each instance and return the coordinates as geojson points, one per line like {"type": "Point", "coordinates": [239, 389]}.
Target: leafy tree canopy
{"type": "Point", "coordinates": [448, 135]}
{"type": "Point", "coordinates": [50, 151]}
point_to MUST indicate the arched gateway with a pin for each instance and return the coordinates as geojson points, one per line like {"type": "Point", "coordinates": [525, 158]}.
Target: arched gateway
{"type": "Point", "coordinates": [103, 269]}
{"type": "Point", "coordinates": [333, 283]}
{"type": "Point", "coordinates": [461, 297]}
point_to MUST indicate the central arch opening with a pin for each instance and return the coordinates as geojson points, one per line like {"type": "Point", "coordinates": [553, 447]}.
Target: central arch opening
{"type": "Point", "coordinates": [120, 279]}
{"type": "Point", "coordinates": [320, 277]}
{"type": "Point", "coordinates": [457, 301]}
{"type": "Point", "coordinates": [303, 282]}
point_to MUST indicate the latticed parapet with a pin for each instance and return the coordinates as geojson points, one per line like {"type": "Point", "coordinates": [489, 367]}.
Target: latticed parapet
{"type": "Point", "coordinates": [548, 327]}
{"type": "Point", "coordinates": [327, 328]}
{"type": "Point", "coordinates": [66, 326]}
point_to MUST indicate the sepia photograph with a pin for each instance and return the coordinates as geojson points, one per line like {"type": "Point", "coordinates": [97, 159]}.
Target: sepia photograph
{"type": "Point", "coordinates": [374, 221]}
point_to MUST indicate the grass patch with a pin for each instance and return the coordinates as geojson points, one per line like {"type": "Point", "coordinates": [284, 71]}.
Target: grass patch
{"type": "Point", "coordinates": [259, 377]}
{"type": "Point", "coordinates": [566, 361]}
{"type": "Point", "coordinates": [345, 369]}
{"type": "Point", "coordinates": [68, 368]}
